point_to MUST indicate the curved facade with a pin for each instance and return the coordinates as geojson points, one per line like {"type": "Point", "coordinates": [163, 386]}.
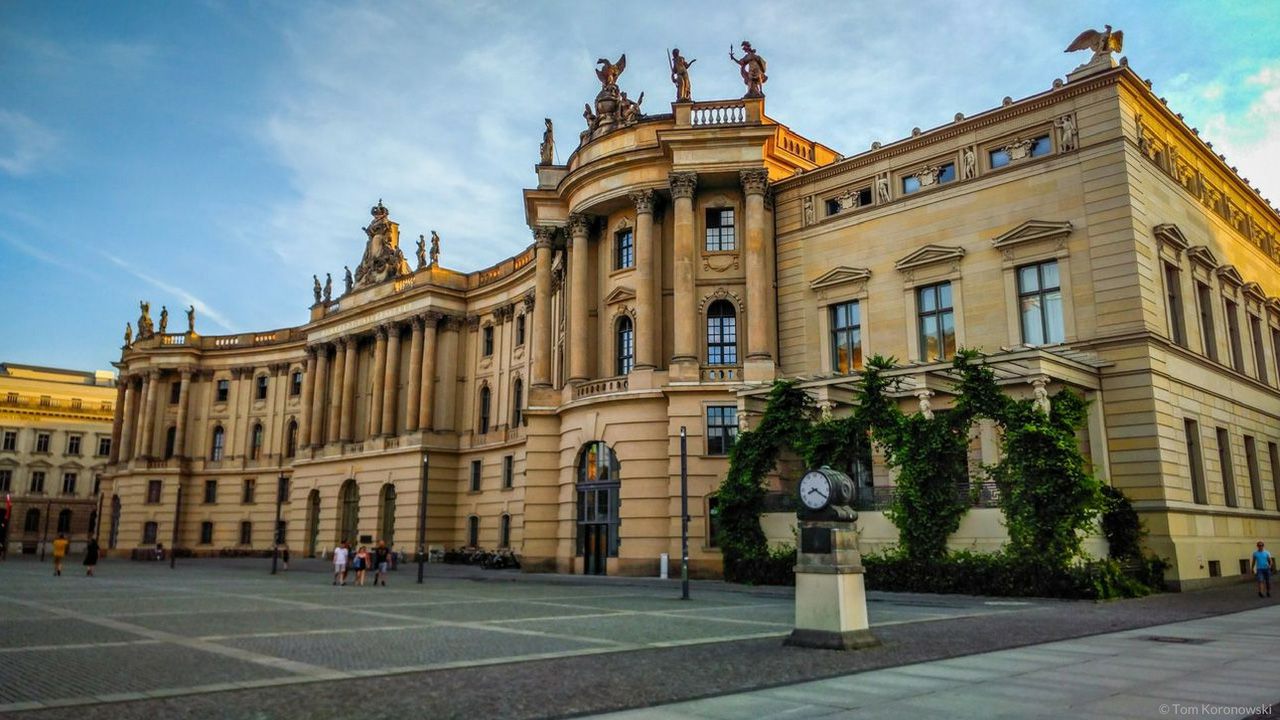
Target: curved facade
{"type": "Point", "coordinates": [680, 263]}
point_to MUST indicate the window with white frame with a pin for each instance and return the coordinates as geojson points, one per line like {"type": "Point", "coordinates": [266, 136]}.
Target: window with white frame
{"type": "Point", "coordinates": [936, 320]}
{"type": "Point", "coordinates": [722, 428]}
{"type": "Point", "coordinates": [1040, 303]}
{"type": "Point", "coordinates": [720, 231]}
{"type": "Point", "coordinates": [722, 333]}
{"type": "Point", "coordinates": [846, 337]}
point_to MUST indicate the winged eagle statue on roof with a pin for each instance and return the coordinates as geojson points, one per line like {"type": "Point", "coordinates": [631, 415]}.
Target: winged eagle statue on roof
{"type": "Point", "coordinates": [1101, 43]}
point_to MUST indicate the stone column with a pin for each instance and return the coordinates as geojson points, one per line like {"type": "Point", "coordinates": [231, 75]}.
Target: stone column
{"type": "Point", "coordinates": [150, 381]}
{"type": "Point", "coordinates": [646, 302]}
{"type": "Point", "coordinates": [759, 357]}
{"type": "Point", "coordinates": [684, 360]}
{"type": "Point", "coordinates": [117, 421]}
{"type": "Point", "coordinates": [427, 403]}
{"type": "Point", "coordinates": [180, 433]}
{"type": "Point", "coordinates": [321, 392]}
{"type": "Point", "coordinates": [336, 405]}
{"type": "Point", "coordinates": [379, 373]}
{"type": "Point", "coordinates": [447, 356]}
{"type": "Point", "coordinates": [414, 401]}
{"type": "Point", "coordinates": [347, 421]}
{"type": "Point", "coordinates": [123, 450]}
{"type": "Point", "coordinates": [308, 391]}
{"type": "Point", "coordinates": [579, 303]}
{"type": "Point", "coordinates": [391, 381]}
{"type": "Point", "coordinates": [542, 307]}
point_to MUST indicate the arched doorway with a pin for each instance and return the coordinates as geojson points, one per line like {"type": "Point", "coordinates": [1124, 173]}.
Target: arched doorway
{"type": "Point", "coordinates": [313, 522]}
{"type": "Point", "coordinates": [349, 512]}
{"type": "Point", "coordinates": [598, 482]}
{"type": "Point", "coordinates": [387, 513]}
{"type": "Point", "coordinates": [115, 522]}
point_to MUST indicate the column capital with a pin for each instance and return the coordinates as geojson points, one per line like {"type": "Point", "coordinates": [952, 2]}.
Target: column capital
{"type": "Point", "coordinates": [382, 331]}
{"type": "Point", "coordinates": [544, 236]}
{"type": "Point", "coordinates": [473, 322]}
{"type": "Point", "coordinates": [755, 180]}
{"type": "Point", "coordinates": [529, 299]}
{"type": "Point", "coordinates": [683, 184]}
{"type": "Point", "coordinates": [417, 322]}
{"type": "Point", "coordinates": [579, 225]}
{"type": "Point", "coordinates": [643, 200]}
{"type": "Point", "coordinates": [503, 313]}
{"type": "Point", "coordinates": [431, 318]}
{"type": "Point", "coordinates": [452, 322]}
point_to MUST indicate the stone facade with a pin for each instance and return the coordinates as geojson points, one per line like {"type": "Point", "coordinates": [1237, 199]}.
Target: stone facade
{"type": "Point", "coordinates": [55, 439]}
{"type": "Point", "coordinates": [683, 261]}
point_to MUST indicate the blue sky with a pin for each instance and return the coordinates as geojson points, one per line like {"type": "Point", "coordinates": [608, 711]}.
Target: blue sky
{"type": "Point", "coordinates": [220, 153]}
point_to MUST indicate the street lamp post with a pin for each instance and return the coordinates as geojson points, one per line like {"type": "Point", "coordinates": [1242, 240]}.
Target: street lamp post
{"type": "Point", "coordinates": [684, 514]}
{"type": "Point", "coordinates": [173, 543]}
{"type": "Point", "coordinates": [422, 517]}
{"type": "Point", "coordinates": [281, 483]}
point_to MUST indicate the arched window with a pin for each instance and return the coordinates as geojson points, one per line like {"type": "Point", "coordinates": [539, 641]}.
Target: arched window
{"type": "Point", "coordinates": [32, 522]}
{"type": "Point", "coordinates": [170, 439]}
{"type": "Point", "coordinates": [517, 403]}
{"type": "Point", "coordinates": [219, 442]}
{"type": "Point", "coordinates": [291, 439]}
{"type": "Point", "coordinates": [348, 511]}
{"type": "Point", "coordinates": [504, 534]}
{"type": "Point", "coordinates": [484, 409]}
{"type": "Point", "coordinates": [473, 531]}
{"type": "Point", "coordinates": [255, 442]}
{"type": "Point", "coordinates": [722, 333]}
{"type": "Point", "coordinates": [598, 522]}
{"type": "Point", "coordinates": [64, 521]}
{"type": "Point", "coordinates": [625, 346]}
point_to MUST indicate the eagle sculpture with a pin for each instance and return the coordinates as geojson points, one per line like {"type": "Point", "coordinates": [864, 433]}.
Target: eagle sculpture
{"type": "Point", "coordinates": [1099, 42]}
{"type": "Point", "coordinates": [608, 72]}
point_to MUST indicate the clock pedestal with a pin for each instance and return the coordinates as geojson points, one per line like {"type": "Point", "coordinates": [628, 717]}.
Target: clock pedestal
{"type": "Point", "coordinates": [831, 597]}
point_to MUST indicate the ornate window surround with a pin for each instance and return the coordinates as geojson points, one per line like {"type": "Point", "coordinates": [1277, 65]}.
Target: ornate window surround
{"type": "Point", "coordinates": [929, 265]}
{"type": "Point", "coordinates": [1031, 242]}
{"type": "Point", "coordinates": [839, 285]}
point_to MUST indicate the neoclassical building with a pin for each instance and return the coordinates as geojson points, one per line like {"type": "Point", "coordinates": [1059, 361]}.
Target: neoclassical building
{"type": "Point", "coordinates": [1083, 237]}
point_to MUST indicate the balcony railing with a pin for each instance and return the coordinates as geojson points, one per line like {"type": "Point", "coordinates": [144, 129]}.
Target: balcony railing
{"type": "Point", "coordinates": [46, 403]}
{"type": "Point", "coordinates": [721, 373]}
{"type": "Point", "coordinates": [726, 112]}
{"type": "Point", "coordinates": [600, 387]}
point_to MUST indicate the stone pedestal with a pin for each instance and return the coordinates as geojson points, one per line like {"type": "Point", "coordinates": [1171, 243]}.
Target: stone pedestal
{"type": "Point", "coordinates": [831, 597]}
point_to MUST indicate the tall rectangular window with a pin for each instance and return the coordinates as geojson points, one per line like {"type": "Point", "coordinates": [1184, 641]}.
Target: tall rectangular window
{"type": "Point", "coordinates": [1040, 304]}
{"type": "Point", "coordinates": [73, 444]}
{"type": "Point", "coordinates": [1255, 476]}
{"type": "Point", "coordinates": [10, 442]}
{"type": "Point", "coordinates": [720, 230]}
{"type": "Point", "coordinates": [262, 387]}
{"type": "Point", "coordinates": [1275, 351]}
{"type": "Point", "coordinates": [508, 471]}
{"type": "Point", "coordinates": [1204, 305]}
{"type": "Point", "coordinates": [624, 251]}
{"type": "Point", "coordinates": [42, 442]}
{"type": "Point", "coordinates": [6, 480]}
{"type": "Point", "coordinates": [249, 490]}
{"type": "Point", "coordinates": [1195, 460]}
{"type": "Point", "coordinates": [1273, 453]}
{"type": "Point", "coordinates": [846, 337]}
{"type": "Point", "coordinates": [1228, 472]}
{"type": "Point", "coordinates": [175, 392]}
{"type": "Point", "coordinates": [206, 533]}
{"type": "Point", "coordinates": [488, 340]}
{"type": "Point", "coordinates": [475, 476]}
{"type": "Point", "coordinates": [69, 483]}
{"type": "Point", "coordinates": [519, 330]}
{"type": "Point", "coordinates": [937, 323]}
{"type": "Point", "coordinates": [1233, 336]}
{"type": "Point", "coordinates": [1173, 295]}
{"type": "Point", "coordinates": [104, 446]}
{"type": "Point", "coordinates": [222, 390]}
{"type": "Point", "coordinates": [1259, 351]}
{"type": "Point", "coordinates": [246, 532]}
{"type": "Point", "coordinates": [722, 333]}
{"type": "Point", "coordinates": [295, 383]}
{"type": "Point", "coordinates": [37, 482]}
{"type": "Point", "coordinates": [153, 491]}
{"type": "Point", "coordinates": [211, 491]}
{"type": "Point", "coordinates": [149, 532]}
{"type": "Point", "coordinates": [722, 428]}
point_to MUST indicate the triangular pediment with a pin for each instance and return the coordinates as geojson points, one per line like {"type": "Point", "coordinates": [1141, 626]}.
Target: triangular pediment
{"type": "Point", "coordinates": [1254, 290]}
{"type": "Point", "coordinates": [1274, 304]}
{"type": "Point", "coordinates": [1202, 255]}
{"type": "Point", "coordinates": [1229, 274]}
{"type": "Point", "coordinates": [839, 275]}
{"type": "Point", "coordinates": [928, 255]}
{"type": "Point", "coordinates": [620, 294]}
{"type": "Point", "coordinates": [1033, 230]}
{"type": "Point", "coordinates": [1171, 235]}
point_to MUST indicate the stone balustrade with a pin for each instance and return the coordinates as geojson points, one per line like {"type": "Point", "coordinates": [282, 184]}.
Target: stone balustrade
{"type": "Point", "coordinates": [600, 387]}
{"type": "Point", "coordinates": [722, 373]}
{"type": "Point", "coordinates": [723, 112]}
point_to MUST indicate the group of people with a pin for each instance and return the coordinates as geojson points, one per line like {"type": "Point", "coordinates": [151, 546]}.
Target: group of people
{"type": "Point", "coordinates": [362, 560]}
{"type": "Point", "coordinates": [60, 546]}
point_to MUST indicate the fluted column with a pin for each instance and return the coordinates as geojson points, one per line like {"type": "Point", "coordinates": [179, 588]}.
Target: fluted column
{"type": "Point", "coordinates": [151, 380]}
{"type": "Point", "coordinates": [427, 403]}
{"type": "Point", "coordinates": [754, 184]}
{"type": "Point", "coordinates": [321, 393]}
{"type": "Point", "coordinates": [124, 451]}
{"type": "Point", "coordinates": [685, 358]}
{"type": "Point", "coordinates": [347, 421]}
{"type": "Point", "coordinates": [391, 381]}
{"type": "Point", "coordinates": [117, 421]}
{"type": "Point", "coordinates": [447, 356]}
{"type": "Point", "coordinates": [542, 307]}
{"type": "Point", "coordinates": [414, 399]}
{"type": "Point", "coordinates": [579, 303]}
{"type": "Point", "coordinates": [379, 380]}
{"type": "Point", "coordinates": [180, 432]}
{"type": "Point", "coordinates": [646, 302]}
{"type": "Point", "coordinates": [336, 405]}
{"type": "Point", "coordinates": [308, 393]}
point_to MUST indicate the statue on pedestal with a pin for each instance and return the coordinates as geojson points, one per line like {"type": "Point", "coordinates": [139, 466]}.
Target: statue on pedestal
{"type": "Point", "coordinates": [547, 150]}
{"type": "Point", "coordinates": [435, 249]}
{"type": "Point", "coordinates": [128, 334]}
{"type": "Point", "coordinates": [145, 328]}
{"type": "Point", "coordinates": [191, 320]}
{"type": "Point", "coordinates": [752, 67]}
{"type": "Point", "coordinates": [316, 289]}
{"type": "Point", "coordinates": [680, 75]}
{"type": "Point", "coordinates": [328, 288]}
{"type": "Point", "coordinates": [612, 107]}
{"type": "Point", "coordinates": [422, 252]}
{"type": "Point", "coordinates": [630, 111]}
{"type": "Point", "coordinates": [1101, 43]}
{"type": "Point", "coordinates": [164, 319]}
{"type": "Point", "coordinates": [382, 259]}
{"type": "Point", "coordinates": [347, 281]}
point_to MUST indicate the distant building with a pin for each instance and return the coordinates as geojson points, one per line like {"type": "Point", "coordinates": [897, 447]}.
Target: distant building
{"type": "Point", "coordinates": [1084, 237]}
{"type": "Point", "coordinates": [55, 438]}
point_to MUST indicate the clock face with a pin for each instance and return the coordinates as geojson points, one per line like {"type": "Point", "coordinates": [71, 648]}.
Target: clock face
{"type": "Point", "coordinates": [815, 490]}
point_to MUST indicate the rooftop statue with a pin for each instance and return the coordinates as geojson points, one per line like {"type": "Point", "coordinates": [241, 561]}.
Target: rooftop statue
{"type": "Point", "coordinates": [547, 150]}
{"type": "Point", "coordinates": [145, 328]}
{"type": "Point", "coordinates": [422, 252]}
{"type": "Point", "coordinates": [316, 289]}
{"type": "Point", "coordinates": [1101, 43]}
{"type": "Point", "coordinates": [164, 319]}
{"type": "Point", "coordinates": [435, 249]}
{"type": "Point", "coordinates": [612, 108]}
{"type": "Point", "coordinates": [680, 75]}
{"type": "Point", "coordinates": [128, 334]}
{"type": "Point", "coordinates": [752, 67]}
{"type": "Point", "coordinates": [328, 288]}
{"type": "Point", "coordinates": [347, 280]}
{"type": "Point", "coordinates": [630, 110]}
{"type": "Point", "coordinates": [382, 257]}
{"type": "Point", "coordinates": [608, 72]}
{"type": "Point", "coordinates": [191, 319]}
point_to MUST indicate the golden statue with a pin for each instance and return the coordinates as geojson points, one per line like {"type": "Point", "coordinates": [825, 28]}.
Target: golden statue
{"type": "Point", "coordinates": [1101, 43]}
{"type": "Point", "coordinates": [608, 72]}
{"type": "Point", "coordinates": [680, 75]}
{"type": "Point", "coordinates": [752, 67]}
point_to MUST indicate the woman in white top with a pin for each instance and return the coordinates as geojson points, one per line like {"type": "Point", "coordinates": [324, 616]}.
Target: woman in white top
{"type": "Point", "coordinates": [340, 554]}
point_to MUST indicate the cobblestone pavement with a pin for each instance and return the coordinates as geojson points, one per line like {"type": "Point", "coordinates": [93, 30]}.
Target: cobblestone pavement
{"type": "Point", "coordinates": [141, 630]}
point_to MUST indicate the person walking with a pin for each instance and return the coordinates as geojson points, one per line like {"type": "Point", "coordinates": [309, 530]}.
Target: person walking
{"type": "Point", "coordinates": [284, 556]}
{"type": "Point", "coordinates": [90, 556]}
{"type": "Point", "coordinates": [381, 561]}
{"type": "Point", "coordinates": [59, 553]}
{"type": "Point", "coordinates": [361, 564]}
{"type": "Point", "coordinates": [1264, 564]}
{"type": "Point", "coordinates": [340, 554]}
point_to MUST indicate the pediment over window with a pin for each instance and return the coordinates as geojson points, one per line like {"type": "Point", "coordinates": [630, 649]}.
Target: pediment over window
{"type": "Point", "coordinates": [839, 275]}
{"type": "Point", "coordinates": [1229, 274]}
{"type": "Point", "coordinates": [41, 464]}
{"type": "Point", "coordinates": [929, 255]}
{"type": "Point", "coordinates": [1202, 255]}
{"type": "Point", "coordinates": [71, 465]}
{"type": "Point", "coordinates": [1254, 291]}
{"type": "Point", "coordinates": [620, 294]}
{"type": "Point", "coordinates": [1274, 304]}
{"type": "Point", "coordinates": [1034, 230]}
{"type": "Point", "coordinates": [1171, 235]}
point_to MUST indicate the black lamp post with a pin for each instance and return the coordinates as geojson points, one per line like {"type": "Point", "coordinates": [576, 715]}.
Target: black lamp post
{"type": "Point", "coordinates": [281, 483]}
{"type": "Point", "coordinates": [684, 514]}
{"type": "Point", "coordinates": [422, 517]}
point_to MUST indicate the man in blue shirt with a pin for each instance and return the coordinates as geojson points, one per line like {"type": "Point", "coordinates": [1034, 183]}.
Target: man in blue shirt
{"type": "Point", "coordinates": [1263, 565]}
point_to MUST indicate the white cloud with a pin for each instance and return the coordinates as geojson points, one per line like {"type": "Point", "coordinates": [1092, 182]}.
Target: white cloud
{"type": "Point", "coordinates": [24, 144]}
{"type": "Point", "coordinates": [203, 309]}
